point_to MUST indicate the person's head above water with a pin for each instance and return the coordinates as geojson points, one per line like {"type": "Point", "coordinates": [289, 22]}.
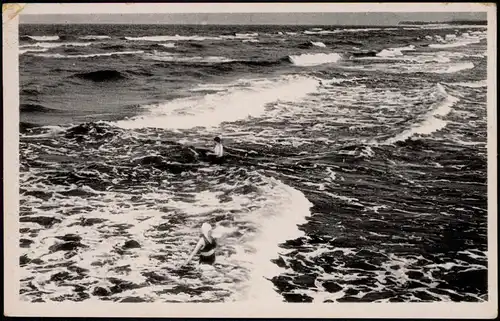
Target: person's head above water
{"type": "Point", "coordinates": [217, 139]}
{"type": "Point", "coordinates": [206, 230]}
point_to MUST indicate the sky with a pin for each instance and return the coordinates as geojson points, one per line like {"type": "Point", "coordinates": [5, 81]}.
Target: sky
{"type": "Point", "coordinates": [328, 18]}
{"type": "Point", "coordinates": [241, 13]}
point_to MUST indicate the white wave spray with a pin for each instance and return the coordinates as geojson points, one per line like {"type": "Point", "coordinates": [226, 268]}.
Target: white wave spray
{"type": "Point", "coordinates": [172, 57]}
{"type": "Point", "coordinates": [56, 45]}
{"type": "Point", "coordinates": [106, 54]}
{"type": "Point", "coordinates": [23, 51]}
{"type": "Point", "coordinates": [44, 38]}
{"type": "Point", "coordinates": [92, 37]}
{"type": "Point", "coordinates": [318, 44]}
{"type": "Point", "coordinates": [171, 38]}
{"type": "Point", "coordinates": [306, 60]}
{"type": "Point", "coordinates": [431, 123]}
{"type": "Point", "coordinates": [240, 100]}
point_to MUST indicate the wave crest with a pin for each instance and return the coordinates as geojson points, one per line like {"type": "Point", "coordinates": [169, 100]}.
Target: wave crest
{"type": "Point", "coordinates": [172, 57]}
{"type": "Point", "coordinates": [104, 54]}
{"type": "Point", "coordinates": [170, 38]}
{"type": "Point", "coordinates": [453, 41]}
{"type": "Point", "coordinates": [23, 51]}
{"type": "Point", "coordinates": [57, 44]}
{"type": "Point", "coordinates": [239, 100]}
{"type": "Point", "coordinates": [433, 120]}
{"type": "Point", "coordinates": [305, 60]}
{"type": "Point", "coordinates": [41, 38]}
{"type": "Point", "coordinates": [91, 37]}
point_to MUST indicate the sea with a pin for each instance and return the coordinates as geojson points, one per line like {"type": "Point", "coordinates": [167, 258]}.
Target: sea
{"type": "Point", "coordinates": [356, 162]}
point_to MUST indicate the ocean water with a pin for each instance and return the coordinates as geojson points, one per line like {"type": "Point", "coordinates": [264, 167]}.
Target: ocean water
{"type": "Point", "coordinates": [356, 167]}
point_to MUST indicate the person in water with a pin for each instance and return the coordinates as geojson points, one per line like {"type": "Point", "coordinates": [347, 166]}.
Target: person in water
{"type": "Point", "coordinates": [205, 247]}
{"type": "Point", "coordinates": [217, 156]}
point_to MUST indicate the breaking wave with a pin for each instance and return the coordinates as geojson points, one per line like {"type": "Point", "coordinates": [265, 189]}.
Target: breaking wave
{"type": "Point", "coordinates": [172, 57]}
{"type": "Point", "coordinates": [171, 38]}
{"type": "Point", "coordinates": [311, 44]}
{"type": "Point", "coordinates": [23, 51]}
{"type": "Point", "coordinates": [41, 38]}
{"type": "Point", "coordinates": [453, 41]}
{"type": "Point", "coordinates": [306, 60]}
{"type": "Point", "coordinates": [210, 110]}
{"type": "Point", "coordinates": [432, 121]}
{"type": "Point", "coordinates": [144, 244]}
{"type": "Point", "coordinates": [395, 52]}
{"type": "Point", "coordinates": [90, 37]}
{"type": "Point", "coordinates": [168, 45]}
{"type": "Point", "coordinates": [454, 68]}
{"type": "Point", "coordinates": [56, 44]}
{"type": "Point", "coordinates": [319, 32]}
{"type": "Point", "coordinates": [105, 54]}
{"type": "Point", "coordinates": [108, 209]}
{"type": "Point", "coordinates": [472, 84]}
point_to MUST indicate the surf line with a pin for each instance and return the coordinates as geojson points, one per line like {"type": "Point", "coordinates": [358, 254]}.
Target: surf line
{"type": "Point", "coordinates": [431, 123]}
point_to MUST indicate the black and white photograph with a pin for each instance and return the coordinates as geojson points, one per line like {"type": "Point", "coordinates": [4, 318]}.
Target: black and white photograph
{"type": "Point", "coordinates": [252, 157]}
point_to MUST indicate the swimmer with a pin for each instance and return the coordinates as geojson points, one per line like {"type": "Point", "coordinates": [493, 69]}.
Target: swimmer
{"type": "Point", "coordinates": [217, 156]}
{"type": "Point", "coordinates": [206, 247]}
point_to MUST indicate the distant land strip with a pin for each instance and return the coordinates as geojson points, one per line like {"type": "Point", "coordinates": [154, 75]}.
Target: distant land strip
{"type": "Point", "coordinates": [453, 22]}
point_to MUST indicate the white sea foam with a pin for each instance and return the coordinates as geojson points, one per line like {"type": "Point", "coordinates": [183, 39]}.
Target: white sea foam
{"type": "Point", "coordinates": [168, 45]}
{"type": "Point", "coordinates": [395, 52]}
{"type": "Point", "coordinates": [171, 38]}
{"type": "Point", "coordinates": [289, 208]}
{"type": "Point", "coordinates": [345, 106]}
{"type": "Point", "coordinates": [452, 41]}
{"type": "Point", "coordinates": [443, 65]}
{"type": "Point", "coordinates": [444, 57]}
{"type": "Point", "coordinates": [439, 38]}
{"type": "Point", "coordinates": [106, 54]}
{"type": "Point", "coordinates": [55, 45]}
{"type": "Point", "coordinates": [49, 131]}
{"type": "Point", "coordinates": [430, 58]}
{"type": "Point", "coordinates": [390, 53]}
{"type": "Point", "coordinates": [305, 60]}
{"type": "Point", "coordinates": [23, 51]}
{"type": "Point", "coordinates": [358, 30]}
{"type": "Point", "coordinates": [92, 37]}
{"type": "Point", "coordinates": [235, 37]}
{"type": "Point", "coordinates": [250, 40]}
{"type": "Point", "coordinates": [44, 38]}
{"type": "Point", "coordinates": [453, 68]}
{"type": "Point", "coordinates": [472, 84]}
{"type": "Point", "coordinates": [171, 57]}
{"type": "Point", "coordinates": [453, 45]}
{"type": "Point", "coordinates": [243, 260]}
{"type": "Point", "coordinates": [431, 123]}
{"type": "Point", "coordinates": [247, 35]}
{"type": "Point", "coordinates": [319, 32]}
{"type": "Point", "coordinates": [318, 44]}
{"type": "Point", "coordinates": [242, 99]}
{"type": "Point", "coordinates": [407, 48]}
